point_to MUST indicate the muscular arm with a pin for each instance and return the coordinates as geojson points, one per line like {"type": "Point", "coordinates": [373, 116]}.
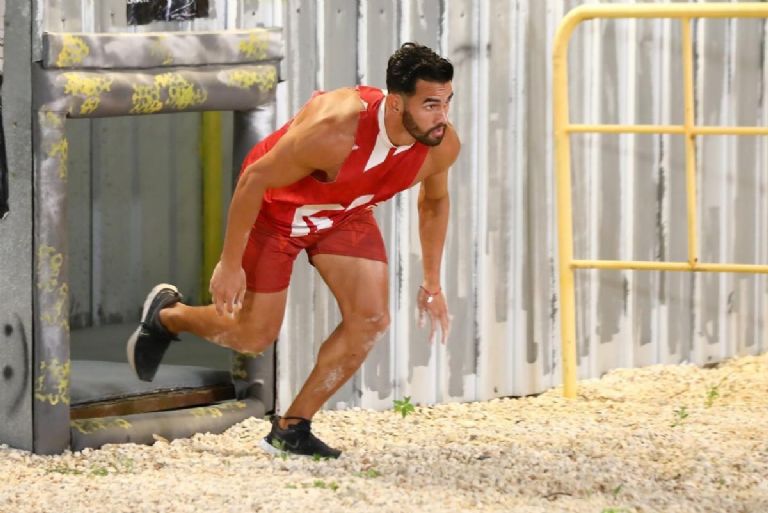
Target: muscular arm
{"type": "Point", "coordinates": [320, 137]}
{"type": "Point", "coordinates": [434, 208]}
{"type": "Point", "coordinates": [247, 198]}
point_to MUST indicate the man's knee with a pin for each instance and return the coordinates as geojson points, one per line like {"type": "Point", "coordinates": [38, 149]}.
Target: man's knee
{"type": "Point", "coordinates": [370, 323]}
{"type": "Point", "coordinates": [254, 339]}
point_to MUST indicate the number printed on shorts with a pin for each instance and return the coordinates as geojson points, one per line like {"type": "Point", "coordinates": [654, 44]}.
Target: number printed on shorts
{"type": "Point", "coordinates": [305, 217]}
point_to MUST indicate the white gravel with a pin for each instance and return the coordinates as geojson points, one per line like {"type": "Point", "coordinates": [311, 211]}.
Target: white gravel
{"type": "Point", "coordinates": [667, 439]}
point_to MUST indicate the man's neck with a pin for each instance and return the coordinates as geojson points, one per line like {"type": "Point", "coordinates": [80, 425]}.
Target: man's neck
{"type": "Point", "coordinates": [394, 129]}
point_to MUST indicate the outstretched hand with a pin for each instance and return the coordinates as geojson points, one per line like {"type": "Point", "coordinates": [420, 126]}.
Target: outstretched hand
{"type": "Point", "coordinates": [227, 289]}
{"type": "Point", "coordinates": [434, 306]}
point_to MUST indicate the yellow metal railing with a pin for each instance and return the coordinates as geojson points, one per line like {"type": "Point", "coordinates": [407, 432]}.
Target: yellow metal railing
{"type": "Point", "coordinates": [563, 129]}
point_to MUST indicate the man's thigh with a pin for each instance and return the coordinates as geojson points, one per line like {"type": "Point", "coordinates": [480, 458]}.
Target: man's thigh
{"type": "Point", "coordinates": [352, 260]}
{"type": "Point", "coordinates": [358, 237]}
{"type": "Point", "coordinates": [359, 285]}
{"type": "Point", "coordinates": [268, 259]}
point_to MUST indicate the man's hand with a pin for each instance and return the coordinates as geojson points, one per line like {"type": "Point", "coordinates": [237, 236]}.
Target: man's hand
{"type": "Point", "coordinates": [433, 304]}
{"type": "Point", "coordinates": [227, 289]}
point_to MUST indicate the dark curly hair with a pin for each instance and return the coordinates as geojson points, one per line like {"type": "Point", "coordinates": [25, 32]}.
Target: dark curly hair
{"type": "Point", "coordinates": [412, 62]}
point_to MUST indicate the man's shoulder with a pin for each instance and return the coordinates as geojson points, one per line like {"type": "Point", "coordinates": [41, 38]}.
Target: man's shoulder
{"type": "Point", "coordinates": [446, 153]}
{"type": "Point", "coordinates": [323, 133]}
{"type": "Point", "coordinates": [337, 108]}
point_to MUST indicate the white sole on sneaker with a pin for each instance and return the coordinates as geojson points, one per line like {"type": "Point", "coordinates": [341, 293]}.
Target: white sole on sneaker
{"type": "Point", "coordinates": [274, 451]}
{"type": "Point", "coordinates": [271, 450]}
{"type": "Point", "coordinates": [130, 347]}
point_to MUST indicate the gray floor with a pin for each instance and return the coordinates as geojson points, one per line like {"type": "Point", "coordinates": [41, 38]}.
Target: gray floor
{"type": "Point", "coordinates": [100, 368]}
{"type": "Point", "coordinates": [101, 381]}
{"type": "Point", "coordinates": [107, 343]}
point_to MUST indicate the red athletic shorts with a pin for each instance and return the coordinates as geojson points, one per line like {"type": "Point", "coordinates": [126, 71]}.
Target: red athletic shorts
{"type": "Point", "coordinates": [269, 255]}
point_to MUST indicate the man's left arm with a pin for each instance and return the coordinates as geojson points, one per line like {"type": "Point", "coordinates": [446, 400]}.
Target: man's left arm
{"type": "Point", "coordinates": [434, 209]}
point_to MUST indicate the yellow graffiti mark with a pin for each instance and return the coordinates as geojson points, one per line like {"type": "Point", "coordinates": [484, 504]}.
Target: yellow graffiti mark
{"type": "Point", "coordinates": [53, 382]}
{"type": "Point", "coordinates": [146, 99]}
{"type": "Point", "coordinates": [73, 51]}
{"type": "Point", "coordinates": [265, 79]}
{"type": "Point", "coordinates": [218, 410]}
{"type": "Point", "coordinates": [88, 426]}
{"type": "Point", "coordinates": [60, 151]}
{"type": "Point", "coordinates": [180, 93]}
{"type": "Point", "coordinates": [158, 49]}
{"type": "Point", "coordinates": [49, 263]}
{"type": "Point", "coordinates": [255, 46]}
{"type": "Point", "coordinates": [210, 411]}
{"type": "Point", "coordinates": [52, 120]}
{"type": "Point", "coordinates": [55, 314]}
{"type": "Point", "coordinates": [88, 88]}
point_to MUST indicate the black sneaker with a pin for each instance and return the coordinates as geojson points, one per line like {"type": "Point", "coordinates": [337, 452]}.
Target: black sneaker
{"type": "Point", "coordinates": [296, 439]}
{"type": "Point", "coordinates": [149, 342]}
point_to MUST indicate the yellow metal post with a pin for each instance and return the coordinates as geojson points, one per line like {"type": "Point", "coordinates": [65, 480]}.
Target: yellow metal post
{"type": "Point", "coordinates": [210, 149]}
{"type": "Point", "coordinates": [564, 215]}
{"type": "Point", "coordinates": [690, 141]}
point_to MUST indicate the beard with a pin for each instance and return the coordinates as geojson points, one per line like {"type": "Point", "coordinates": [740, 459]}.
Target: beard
{"type": "Point", "coordinates": [423, 137]}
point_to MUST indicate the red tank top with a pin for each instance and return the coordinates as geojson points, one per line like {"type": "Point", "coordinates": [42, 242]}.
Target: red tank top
{"type": "Point", "coordinates": [373, 172]}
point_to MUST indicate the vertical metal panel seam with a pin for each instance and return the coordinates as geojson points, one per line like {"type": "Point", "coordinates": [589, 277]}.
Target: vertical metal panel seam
{"type": "Point", "coordinates": [361, 62]}
{"type": "Point", "coordinates": [91, 227]}
{"type": "Point", "coordinates": [517, 113]}
{"type": "Point", "coordinates": [627, 73]}
{"type": "Point", "coordinates": [398, 289]}
{"type": "Point", "coordinates": [664, 148]}
{"type": "Point", "coordinates": [89, 16]}
{"type": "Point", "coordinates": [402, 204]}
{"type": "Point", "coordinates": [727, 191]}
{"type": "Point", "coordinates": [96, 224]}
{"type": "Point", "coordinates": [442, 29]}
{"type": "Point", "coordinates": [38, 19]}
{"type": "Point", "coordinates": [134, 239]}
{"type": "Point", "coordinates": [361, 68]}
{"type": "Point", "coordinates": [552, 23]}
{"type": "Point", "coordinates": [320, 48]}
{"type": "Point", "coordinates": [482, 15]}
{"type": "Point", "coordinates": [593, 182]}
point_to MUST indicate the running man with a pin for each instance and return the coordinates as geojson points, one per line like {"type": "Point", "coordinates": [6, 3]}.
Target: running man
{"type": "Point", "coordinates": [312, 185]}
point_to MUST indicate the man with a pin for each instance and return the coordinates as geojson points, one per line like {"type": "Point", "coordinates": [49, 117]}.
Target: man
{"type": "Point", "coordinates": [311, 185]}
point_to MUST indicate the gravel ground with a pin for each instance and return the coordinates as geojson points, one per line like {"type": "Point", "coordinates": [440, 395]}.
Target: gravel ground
{"type": "Point", "coordinates": [660, 439]}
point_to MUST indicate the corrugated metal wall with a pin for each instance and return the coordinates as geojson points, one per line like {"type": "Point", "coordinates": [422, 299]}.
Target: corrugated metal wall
{"type": "Point", "coordinates": [501, 251]}
{"type": "Point", "coordinates": [2, 33]}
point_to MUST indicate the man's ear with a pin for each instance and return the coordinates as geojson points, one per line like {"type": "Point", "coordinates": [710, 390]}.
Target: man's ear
{"type": "Point", "coordinates": [395, 102]}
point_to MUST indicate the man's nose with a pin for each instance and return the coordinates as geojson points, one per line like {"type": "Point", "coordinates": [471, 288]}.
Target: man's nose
{"type": "Point", "coordinates": [443, 115]}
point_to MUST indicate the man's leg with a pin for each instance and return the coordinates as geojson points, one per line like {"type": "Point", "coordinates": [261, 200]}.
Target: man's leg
{"type": "Point", "coordinates": [251, 330]}
{"type": "Point", "coordinates": [361, 290]}
{"type": "Point", "coordinates": [268, 262]}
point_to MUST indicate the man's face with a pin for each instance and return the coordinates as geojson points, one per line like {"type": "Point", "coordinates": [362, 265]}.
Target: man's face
{"type": "Point", "coordinates": [425, 113]}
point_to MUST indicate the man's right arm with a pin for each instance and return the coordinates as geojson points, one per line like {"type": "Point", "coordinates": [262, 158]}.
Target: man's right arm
{"type": "Point", "coordinates": [278, 168]}
{"type": "Point", "coordinates": [316, 140]}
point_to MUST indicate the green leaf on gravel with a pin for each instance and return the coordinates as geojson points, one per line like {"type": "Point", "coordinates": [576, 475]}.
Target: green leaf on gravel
{"type": "Point", "coordinates": [404, 406]}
